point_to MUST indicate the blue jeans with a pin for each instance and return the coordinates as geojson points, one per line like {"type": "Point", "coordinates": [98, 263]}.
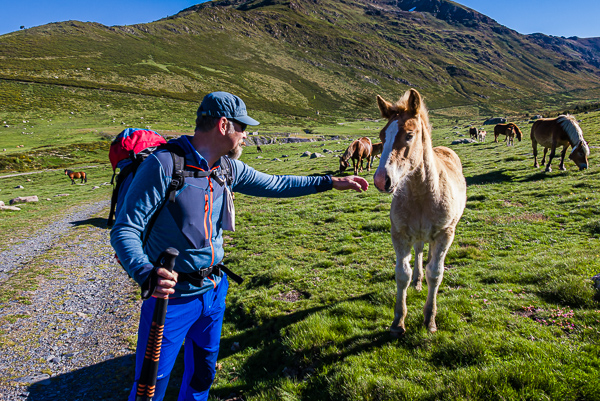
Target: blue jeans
{"type": "Point", "coordinates": [198, 321]}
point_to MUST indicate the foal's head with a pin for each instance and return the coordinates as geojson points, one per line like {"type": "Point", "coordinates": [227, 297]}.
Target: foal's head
{"type": "Point", "coordinates": [403, 139]}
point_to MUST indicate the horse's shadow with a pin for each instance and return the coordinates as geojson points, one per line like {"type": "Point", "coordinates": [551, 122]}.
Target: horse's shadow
{"type": "Point", "coordinates": [495, 176]}
{"type": "Point", "coordinates": [108, 380]}
{"type": "Point", "coordinates": [92, 221]}
{"type": "Point", "coordinates": [539, 176]}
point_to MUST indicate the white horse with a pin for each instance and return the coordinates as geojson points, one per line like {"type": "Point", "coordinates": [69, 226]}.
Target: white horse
{"type": "Point", "coordinates": [429, 196]}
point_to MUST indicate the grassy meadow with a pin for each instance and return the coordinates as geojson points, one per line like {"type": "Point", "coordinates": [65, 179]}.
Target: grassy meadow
{"type": "Point", "coordinates": [518, 317]}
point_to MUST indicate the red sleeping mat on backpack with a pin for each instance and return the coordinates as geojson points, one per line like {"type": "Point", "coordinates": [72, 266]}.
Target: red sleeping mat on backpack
{"type": "Point", "coordinates": [130, 142]}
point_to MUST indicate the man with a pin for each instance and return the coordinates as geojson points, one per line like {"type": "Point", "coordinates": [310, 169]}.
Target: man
{"type": "Point", "coordinates": [193, 222]}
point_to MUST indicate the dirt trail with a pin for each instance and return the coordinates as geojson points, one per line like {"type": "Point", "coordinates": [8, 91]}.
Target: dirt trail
{"type": "Point", "coordinates": [69, 337]}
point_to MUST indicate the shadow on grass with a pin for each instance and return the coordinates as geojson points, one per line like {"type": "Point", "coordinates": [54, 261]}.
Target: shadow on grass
{"type": "Point", "coordinates": [495, 176]}
{"type": "Point", "coordinates": [92, 221]}
{"type": "Point", "coordinates": [274, 360]}
{"type": "Point", "coordinates": [108, 380]}
{"type": "Point", "coordinates": [112, 379]}
{"type": "Point", "coordinates": [540, 176]}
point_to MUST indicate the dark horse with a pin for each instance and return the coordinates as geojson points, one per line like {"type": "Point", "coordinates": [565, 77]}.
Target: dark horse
{"type": "Point", "coordinates": [358, 151]}
{"type": "Point", "coordinates": [501, 129]}
{"type": "Point", "coordinates": [473, 132]}
{"type": "Point", "coordinates": [560, 131]}
{"type": "Point", "coordinates": [73, 175]}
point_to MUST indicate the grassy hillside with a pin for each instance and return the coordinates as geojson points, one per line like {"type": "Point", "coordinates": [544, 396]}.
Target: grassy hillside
{"type": "Point", "coordinates": [296, 58]}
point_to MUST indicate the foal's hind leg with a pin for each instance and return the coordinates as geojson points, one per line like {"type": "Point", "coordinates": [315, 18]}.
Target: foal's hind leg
{"type": "Point", "coordinates": [434, 273]}
{"type": "Point", "coordinates": [417, 278]}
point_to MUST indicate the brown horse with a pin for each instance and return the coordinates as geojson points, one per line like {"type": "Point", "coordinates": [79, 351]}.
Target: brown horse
{"type": "Point", "coordinates": [429, 196]}
{"type": "Point", "coordinates": [500, 129]}
{"type": "Point", "coordinates": [73, 175]}
{"type": "Point", "coordinates": [358, 151]}
{"type": "Point", "coordinates": [560, 131]}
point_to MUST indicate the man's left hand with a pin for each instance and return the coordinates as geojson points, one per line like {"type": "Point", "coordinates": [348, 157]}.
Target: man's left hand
{"type": "Point", "coordinates": [354, 182]}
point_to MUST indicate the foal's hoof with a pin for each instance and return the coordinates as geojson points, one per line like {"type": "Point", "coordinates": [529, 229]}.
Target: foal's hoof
{"type": "Point", "coordinates": [397, 332]}
{"type": "Point", "coordinates": [548, 170]}
{"type": "Point", "coordinates": [431, 327]}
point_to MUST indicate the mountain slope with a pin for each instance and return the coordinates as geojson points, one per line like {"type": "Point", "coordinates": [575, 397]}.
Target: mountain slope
{"type": "Point", "coordinates": [299, 56]}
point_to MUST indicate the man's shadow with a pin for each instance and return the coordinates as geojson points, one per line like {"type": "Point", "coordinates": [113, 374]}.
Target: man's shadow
{"type": "Point", "coordinates": [92, 221]}
{"type": "Point", "coordinates": [108, 380]}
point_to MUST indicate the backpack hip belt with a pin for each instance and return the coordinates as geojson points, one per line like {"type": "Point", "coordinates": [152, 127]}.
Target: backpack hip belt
{"type": "Point", "coordinates": [196, 278]}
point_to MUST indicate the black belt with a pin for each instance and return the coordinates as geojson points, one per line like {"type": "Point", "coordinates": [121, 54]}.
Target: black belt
{"type": "Point", "coordinates": [197, 278]}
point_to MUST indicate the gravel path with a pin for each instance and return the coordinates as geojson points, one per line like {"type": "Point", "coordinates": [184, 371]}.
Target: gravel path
{"type": "Point", "coordinates": [68, 315]}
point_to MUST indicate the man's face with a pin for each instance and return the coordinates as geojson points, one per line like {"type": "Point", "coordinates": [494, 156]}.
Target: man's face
{"type": "Point", "coordinates": [237, 133]}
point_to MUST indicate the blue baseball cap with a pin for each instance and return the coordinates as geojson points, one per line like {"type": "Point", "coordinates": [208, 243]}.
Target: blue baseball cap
{"type": "Point", "coordinates": [224, 104]}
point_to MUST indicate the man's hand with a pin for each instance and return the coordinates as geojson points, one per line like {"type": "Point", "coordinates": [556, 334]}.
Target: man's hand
{"type": "Point", "coordinates": [166, 282]}
{"type": "Point", "coordinates": [354, 182]}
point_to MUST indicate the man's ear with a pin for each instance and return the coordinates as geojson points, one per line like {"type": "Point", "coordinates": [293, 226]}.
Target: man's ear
{"type": "Point", "coordinates": [223, 124]}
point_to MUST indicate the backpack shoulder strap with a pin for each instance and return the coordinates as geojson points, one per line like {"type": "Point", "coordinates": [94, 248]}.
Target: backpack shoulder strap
{"type": "Point", "coordinates": [177, 182]}
{"type": "Point", "coordinates": [178, 176]}
{"type": "Point", "coordinates": [227, 170]}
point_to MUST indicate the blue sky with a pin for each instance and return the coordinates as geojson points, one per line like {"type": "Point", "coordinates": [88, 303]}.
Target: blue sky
{"type": "Point", "coordinates": [552, 17]}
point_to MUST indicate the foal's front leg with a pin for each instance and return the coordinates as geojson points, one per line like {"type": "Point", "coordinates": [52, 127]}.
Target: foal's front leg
{"type": "Point", "coordinates": [435, 273]}
{"type": "Point", "coordinates": [403, 276]}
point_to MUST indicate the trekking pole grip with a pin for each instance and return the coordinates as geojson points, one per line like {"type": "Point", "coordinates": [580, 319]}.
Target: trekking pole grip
{"type": "Point", "coordinates": [146, 386]}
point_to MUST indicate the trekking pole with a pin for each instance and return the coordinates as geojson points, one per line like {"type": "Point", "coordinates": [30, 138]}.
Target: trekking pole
{"type": "Point", "coordinates": [147, 383]}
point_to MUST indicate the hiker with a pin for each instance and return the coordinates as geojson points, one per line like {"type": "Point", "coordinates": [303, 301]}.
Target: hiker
{"type": "Point", "coordinates": [192, 221]}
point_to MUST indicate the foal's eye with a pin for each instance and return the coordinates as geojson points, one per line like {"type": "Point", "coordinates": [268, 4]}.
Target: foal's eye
{"type": "Point", "coordinates": [409, 136]}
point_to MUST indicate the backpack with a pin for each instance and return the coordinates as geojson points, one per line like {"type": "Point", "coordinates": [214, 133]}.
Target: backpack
{"type": "Point", "coordinates": [132, 146]}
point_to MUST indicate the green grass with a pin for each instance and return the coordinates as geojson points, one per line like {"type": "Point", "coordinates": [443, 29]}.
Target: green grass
{"type": "Point", "coordinates": [517, 314]}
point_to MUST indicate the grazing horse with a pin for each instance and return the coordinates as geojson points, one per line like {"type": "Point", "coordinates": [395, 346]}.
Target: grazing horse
{"type": "Point", "coordinates": [560, 131]}
{"type": "Point", "coordinates": [429, 196]}
{"type": "Point", "coordinates": [358, 151]}
{"type": "Point", "coordinates": [73, 175]}
{"type": "Point", "coordinates": [473, 132]}
{"type": "Point", "coordinates": [500, 129]}
{"type": "Point", "coordinates": [481, 136]}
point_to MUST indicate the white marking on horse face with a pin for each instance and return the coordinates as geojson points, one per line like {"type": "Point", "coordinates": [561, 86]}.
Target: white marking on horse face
{"type": "Point", "coordinates": [384, 169]}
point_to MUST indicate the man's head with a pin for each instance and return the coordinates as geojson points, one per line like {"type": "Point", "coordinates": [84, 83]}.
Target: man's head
{"type": "Point", "coordinates": [222, 104]}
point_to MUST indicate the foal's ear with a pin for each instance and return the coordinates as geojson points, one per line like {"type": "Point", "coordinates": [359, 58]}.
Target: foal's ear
{"type": "Point", "coordinates": [385, 107]}
{"type": "Point", "coordinates": [414, 102]}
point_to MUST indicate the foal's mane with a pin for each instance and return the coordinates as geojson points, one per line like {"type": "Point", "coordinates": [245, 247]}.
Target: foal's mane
{"type": "Point", "coordinates": [570, 126]}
